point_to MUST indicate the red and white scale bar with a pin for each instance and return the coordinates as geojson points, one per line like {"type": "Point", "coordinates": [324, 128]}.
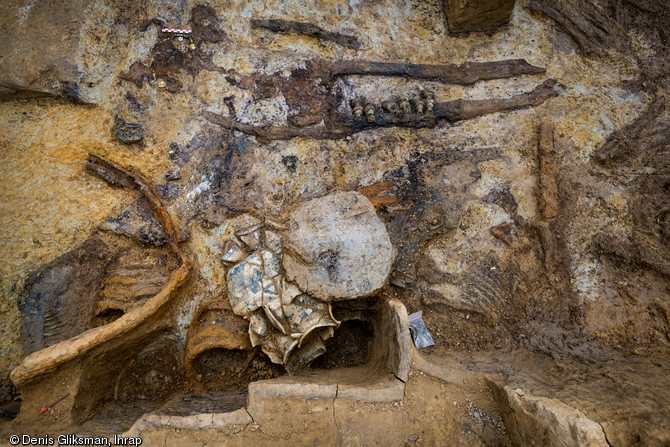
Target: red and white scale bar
{"type": "Point", "coordinates": [176, 31]}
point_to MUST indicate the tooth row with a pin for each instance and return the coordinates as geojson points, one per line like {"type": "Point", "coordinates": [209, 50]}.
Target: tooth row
{"type": "Point", "coordinates": [421, 103]}
{"type": "Point", "coordinates": [362, 107]}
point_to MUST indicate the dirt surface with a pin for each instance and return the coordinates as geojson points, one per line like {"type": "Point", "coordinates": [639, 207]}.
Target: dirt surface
{"type": "Point", "coordinates": [432, 413]}
{"type": "Point", "coordinates": [520, 172]}
{"type": "Point", "coordinates": [351, 346]}
{"type": "Point", "coordinates": [219, 370]}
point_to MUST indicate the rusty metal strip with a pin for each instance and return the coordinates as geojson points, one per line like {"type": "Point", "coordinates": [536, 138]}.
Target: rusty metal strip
{"type": "Point", "coordinates": [464, 74]}
{"type": "Point", "coordinates": [309, 29]}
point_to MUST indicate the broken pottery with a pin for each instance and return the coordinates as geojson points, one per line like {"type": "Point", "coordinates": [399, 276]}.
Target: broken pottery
{"type": "Point", "coordinates": [245, 287]}
{"type": "Point", "coordinates": [281, 318]}
{"type": "Point", "coordinates": [336, 247]}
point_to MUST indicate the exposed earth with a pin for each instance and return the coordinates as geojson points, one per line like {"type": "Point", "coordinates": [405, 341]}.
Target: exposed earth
{"type": "Point", "coordinates": [216, 216]}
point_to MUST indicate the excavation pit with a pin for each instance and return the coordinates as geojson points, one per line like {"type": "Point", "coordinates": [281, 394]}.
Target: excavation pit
{"type": "Point", "coordinates": [369, 361]}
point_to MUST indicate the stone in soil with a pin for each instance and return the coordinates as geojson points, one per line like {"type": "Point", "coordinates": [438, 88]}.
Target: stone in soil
{"type": "Point", "coordinates": [128, 132]}
{"type": "Point", "coordinates": [349, 253]}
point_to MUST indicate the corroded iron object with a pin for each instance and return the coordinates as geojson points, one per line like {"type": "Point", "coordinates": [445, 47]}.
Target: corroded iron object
{"type": "Point", "coordinates": [309, 29]}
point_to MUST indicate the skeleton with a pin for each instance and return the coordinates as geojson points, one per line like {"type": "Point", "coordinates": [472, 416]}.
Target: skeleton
{"type": "Point", "coordinates": [319, 114]}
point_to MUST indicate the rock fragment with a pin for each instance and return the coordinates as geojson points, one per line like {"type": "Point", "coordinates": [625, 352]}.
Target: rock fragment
{"type": "Point", "coordinates": [137, 222]}
{"type": "Point", "coordinates": [536, 420]}
{"type": "Point", "coordinates": [173, 175]}
{"type": "Point", "coordinates": [308, 29]}
{"type": "Point", "coordinates": [128, 132]}
{"type": "Point", "coordinates": [348, 250]}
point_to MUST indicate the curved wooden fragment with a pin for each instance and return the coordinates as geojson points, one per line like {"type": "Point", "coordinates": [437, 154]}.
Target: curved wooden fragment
{"type": "Point", "coordinates": [48, 359]}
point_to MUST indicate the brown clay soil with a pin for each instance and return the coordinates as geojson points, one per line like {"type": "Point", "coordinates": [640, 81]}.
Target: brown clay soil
{"type": "Point", "coordinates": [533, 232]}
